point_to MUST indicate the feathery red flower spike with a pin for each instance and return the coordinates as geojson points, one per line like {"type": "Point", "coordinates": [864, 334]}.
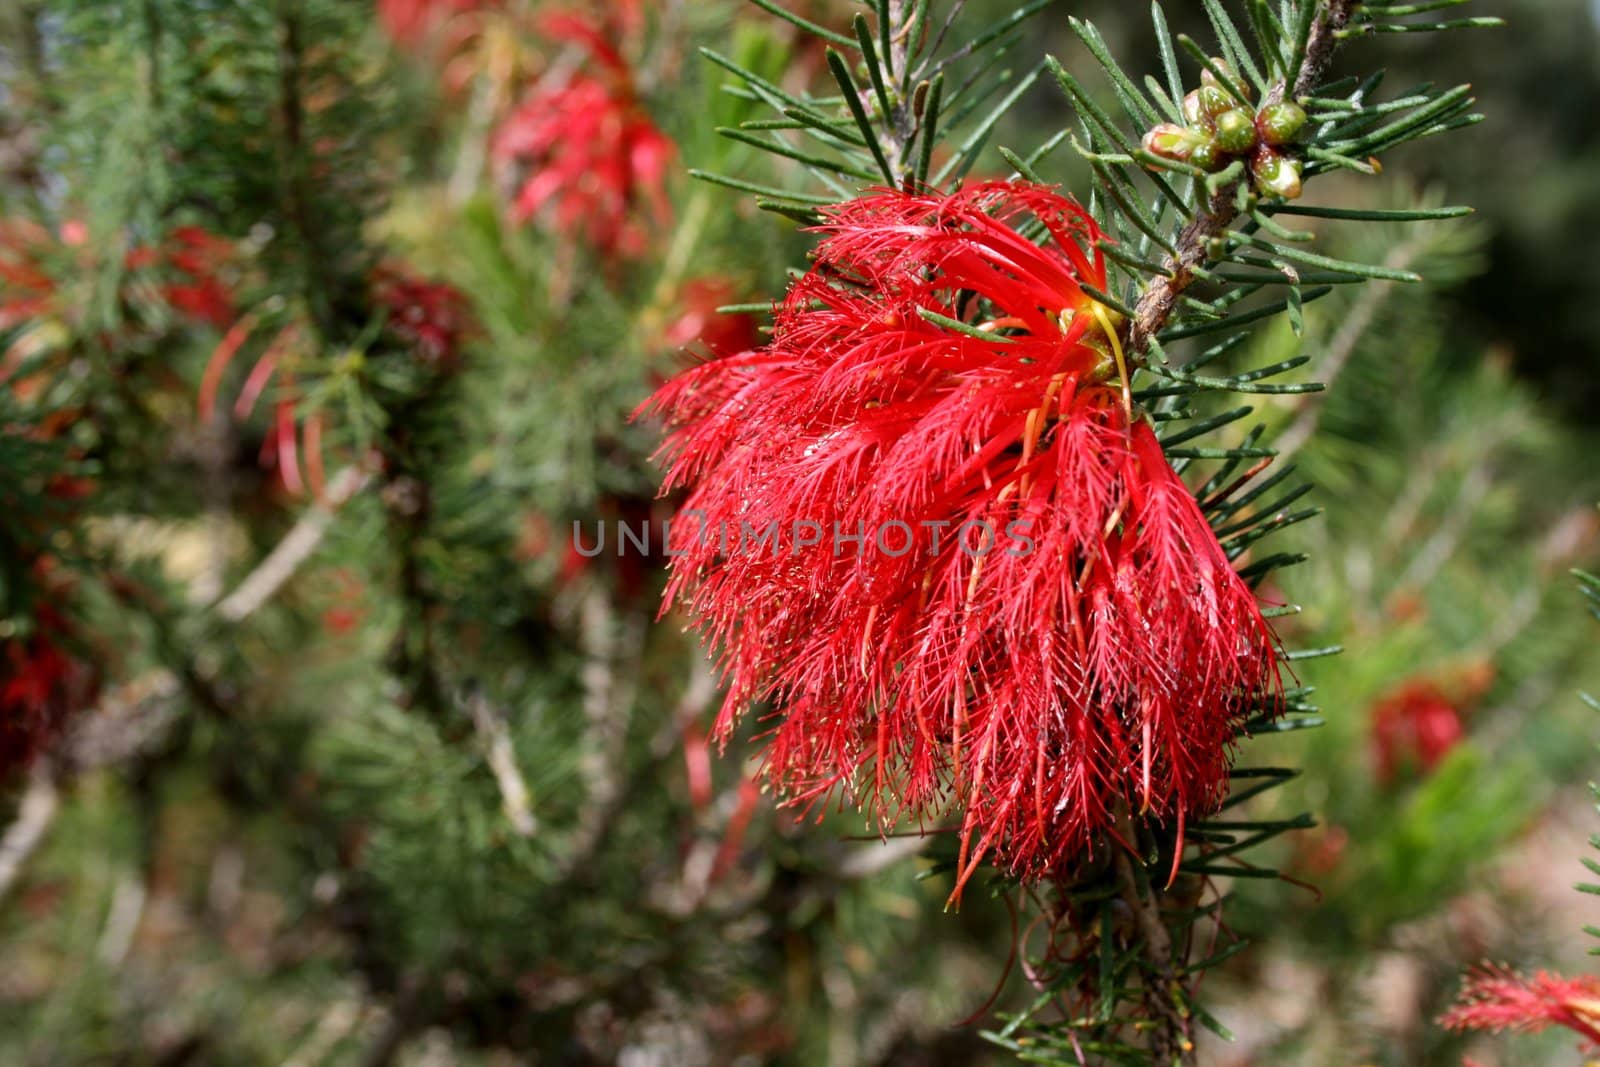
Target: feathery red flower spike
{"type": "Point", "coordinates": [1096, 660]}
{"type": "Point", "coordinates": [1496, 998]}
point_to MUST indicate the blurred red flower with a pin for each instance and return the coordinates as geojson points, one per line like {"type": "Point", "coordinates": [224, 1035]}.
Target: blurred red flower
{"type": "Point", "coordinates": [41, 684]}
{"type": "Point", "coordinates": [410, 23]}
{"type": "Point", "coordinates": [428, 319]}
{"type": "Point", "coordinates": [198, 258]}
{"type": "Point", "coordinates": [1045, 689]}
{"type": "Point", "coordinates": [1496, 998]}
{"type": "Point", "coordinates": [43, 273]}
{"type": "Point", "coordinates": [346, 606]}
{"type": "Point", "coordinates": [29, 286]}
{"type": "Point", "coordinates": [431, 318]}
{"type": "Point", "coordinates": [1415, 727]}
{"type": "Point", "coordinates": [582, 152]}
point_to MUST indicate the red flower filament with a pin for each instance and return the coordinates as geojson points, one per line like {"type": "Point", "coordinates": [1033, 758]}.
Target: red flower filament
{"type": "Point", "coordinates": [1065, 643]}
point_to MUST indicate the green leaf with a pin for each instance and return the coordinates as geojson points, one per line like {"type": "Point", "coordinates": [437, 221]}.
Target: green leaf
{"type": "Point", "coordinates": [1268, 33]}
{"type": "Point", "coordinates": [1323, 155]}
{"type": "Point", "coordinates": [1372, 215]}
{"type": "Point", "coordinates": [1314, 653]}
{"type": "Point", "coordinates": [1233, 44]}
{"type": "Point", "coordinates": [852, 99]}
{"type": "Point", "coordinates": [781, 149]}
{"type": "Point", "coordinates": [760, 190]}
{"type": "Point", "coordinates": [1171, 110]}
{"type": "Point", "coordinates": [1314, 259]}
{"type": "Point", "coordinates": [1205, 426]}
{"type": "Point", "coordinates": [993, 32]}
{"type": "Point", "coordinates": [930, 129]}
{"type": "Point", "coordinates": [1114, 251]}
{"type": "Point", "coordinates": [1240, 319]}
{"type": "Point", "coordinates": [1278, 230]}
{"type": "Point", "coordinates": [1218, 453]}
{"type": "Point", "coordinates": [962, 327]}
{"type": "Point", "coordinates": [752, 78]}
{"type": "Point", "coordinates": [1169, 58]}
{"type": "Point", "coordinates": [1403, 128]}
{"type": "Point", "coordinates": [1086, 106]}
{"type": "Point", "coordinates": [874, 64]}
{"type": "Point", "coordinates": [827, 128]}
{"type": "Point", "coordinates": [1107, 299]}
{"type": "Point", "coordinates": [805, 24]}
{"type": "Point", "coordinates": [1305, 16]}
{"type": "Point", "coordinates": [967, 154]}
{"type": "Point", "coordinates": [1133, 102]}
{"type": "Point", "coordinates": [1367, 29]}
{"type": "Point", "coordinates": [1230, 84]}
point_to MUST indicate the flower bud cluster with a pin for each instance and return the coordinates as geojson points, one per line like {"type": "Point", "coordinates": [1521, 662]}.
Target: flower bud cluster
{"type": "Point", "coordinates": [1221, 126]}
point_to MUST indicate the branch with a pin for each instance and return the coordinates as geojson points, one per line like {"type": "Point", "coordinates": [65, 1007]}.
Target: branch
{"type": "Point", "coordinates": [37, 811]}
{"type": "Point", "coordinates": [336, 1024]}
{"type": "Point", "coordinates": [125, 723]}
{"type": "Point", "coordinates": [902, 124]}
{"type": "Point", "coordinates": [296, 547]}
{"type": "Point", "coordinates": [1170, 1043]}
{"type": "Point", "coordinates": [868, 860]}
{"type": "Point", "coordinates": [1438, 549]}
{"type": "Point", "coordinates": [1155, 307]}
{"type": "Point", "coordinates": [501, 755]}
{"type": "Point", "coordinates": [608, 711]}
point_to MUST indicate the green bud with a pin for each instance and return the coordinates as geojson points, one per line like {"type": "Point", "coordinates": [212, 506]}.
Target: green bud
{"type": "Point", "coordinates": [1280, 123]}
{"type": "Point", "coordinates": [1275, 174]}
{"type": "Point", "coordinates": [1206, 156]}
{"type": "Point", "coordinates": [1203, 105]}
{"type": "Point", "coordinates": [1170, 141]}
{"type": "Point", "coordinates": [1236, 131]}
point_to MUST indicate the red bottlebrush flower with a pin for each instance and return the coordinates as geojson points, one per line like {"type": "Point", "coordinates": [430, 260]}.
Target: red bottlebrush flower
{"type": "Point", "coordinates": [29, 288]}
{"type": "Point", "coordinates": [432, 318]}
{"type": "Point", "coordinates": [282, 446]}
{"type": "Point", "coordinates": [1496, 998]}
{"type": "Point", "coordinates": [583, 152]}
{"type": "Point", "coordinates": [198, 258]}
{"type": "Point", "coordinates": [1320, 851]}
{"type": "Point", "coordinates": [346, 606]}
{"type": "Point", "coordinates": [700, 323]}
{"type": "Point", "coordinates": [1415, 727]}
{"type": "Point", "coordinates": [41, 684]}
{"type": "Point", "coordinates": [1039, 626]}
{"type": "Point", "coordinates": [429, 318]}
{"type": "Point", "coordinates": [410, 23]}
{"type": "Point", "coordinates": [189, 278]}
